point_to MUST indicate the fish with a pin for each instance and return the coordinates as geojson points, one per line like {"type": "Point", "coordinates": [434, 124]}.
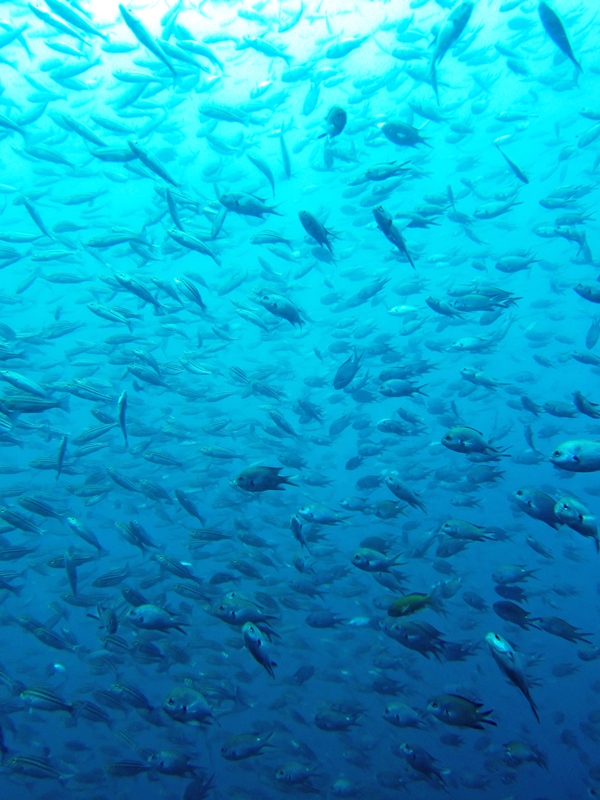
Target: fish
{"type": "Point", "coordinates": [516, 170]}
{"type": "Point", "coordinates": [511, 665]}
{"type": "Point", "coordinates": [577, 455]}
{"type": "Point", "coordinates": [416, 601]}
{"type": "Point", "coordinates": [152, 617]}
{"type": "Point", "coordinates": [140, 32]}
{"type": "Point", "coordinates": [297, 351]}
{"type": "Point", "coordinates": [335, 123]}
{"type": "Point", "coordinates": [386, 225]}
{"type": "Point", "coordinates": [421, 761]}
{"type": "Point", "coordinates": [459, 711]}
{"type": "Point", "coordinates": [245, 745]}
{"type": "Point", "coordinates": [555, 29]}
{"type": "Point", "coordinates": [187, 705]}
{"type": "Point", "coordinates": [255, 644]}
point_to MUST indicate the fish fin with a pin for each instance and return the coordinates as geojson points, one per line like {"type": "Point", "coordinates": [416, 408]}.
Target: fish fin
{"type": "Point", "coordinates": [180, 629]}
{"type": "Point", "coordinates": [534, 708]}
{"type": "Point", "coordinates": [489, 721]}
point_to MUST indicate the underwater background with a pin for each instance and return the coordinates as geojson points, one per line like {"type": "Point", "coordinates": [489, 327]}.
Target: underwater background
{"type": "Point", "coordinates": [299, 399]}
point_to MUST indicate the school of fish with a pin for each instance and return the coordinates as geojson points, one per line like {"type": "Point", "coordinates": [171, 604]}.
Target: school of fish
{"type": "Point", "coordinates": [299, 399]}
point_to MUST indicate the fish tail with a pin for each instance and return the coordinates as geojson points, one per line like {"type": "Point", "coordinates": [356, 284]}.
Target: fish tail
{"type": "Point", "coordinates": [533, 706]}
{"type": "Point", "coordinates": [434, 82]}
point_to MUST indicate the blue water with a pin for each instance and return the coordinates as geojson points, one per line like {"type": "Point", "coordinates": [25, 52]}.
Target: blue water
{"type": "Point", "coordinates": [158, 279]}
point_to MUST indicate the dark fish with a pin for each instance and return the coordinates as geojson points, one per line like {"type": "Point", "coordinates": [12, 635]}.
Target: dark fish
{"type": "Point", "coordinates": [556, 31]}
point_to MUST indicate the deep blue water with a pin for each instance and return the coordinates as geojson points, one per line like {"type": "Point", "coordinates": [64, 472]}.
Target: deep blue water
{"type": "Point", "coordinates": [248, 238]}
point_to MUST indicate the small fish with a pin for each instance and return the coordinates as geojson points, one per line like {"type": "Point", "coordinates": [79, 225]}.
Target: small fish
{"type": "Point", "coordinates": [556, 31]}
{"type": "Point", "coordinates": [511, 665]}
{"type": "Point", "coordinates": [518, 172]}
{"type": "Point", "coordinates": [255, 644]}
{"type": "Point", "coordinates": [458, 711]}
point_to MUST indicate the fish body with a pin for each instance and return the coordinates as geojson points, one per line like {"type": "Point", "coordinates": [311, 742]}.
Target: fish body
{"type": "Point", "coordinates": [320, 515]}
{"type": "Point", "coordinates": [402, 716]}
{"type": "Point", "coordinates": [386, 225]}
{"type": "Point", "coordinates": [369, 560]}
{"type": "Point", "coordinates": [45, 700]}
{"type": "Point", "coordinates": [537, 504]}
{"type": "Point", "coordinates": [462, 439]}
{"type": "Point", "coordinates": [572, 512]}
{"type": "Point", "coordinates": [347, 371]}
{"type": "Point", "coordinates": [417, 601]}
{"type": "Point", "coordinates": [280, 306]}
{"type": "Point", "coordinates": [23, 383]}
{"type": "Point", "coordinates": [254, 642]}
{"type": "Point", "coordinates": [152, 618]}
{"type": "Point", "coordinates": [247, 205]}
{"type": "Point", "coordinates": [511, 666]}
{"type": "Point", "coordinates": [315, 229]}
{"type": "Point", "coordinates": [245, 745]}
{"type": "Point", "coordinates": [143, 36]}
{"type": "Point", "coordinates": [336, 122]}
{"type": "Point", "coordinates": [556, 31]}
{"type": "Point", "coordinates": [403, 492]}
{"type": "Point", "coordinates": [577, 455]}
{"type": "Point", "coordinates": [261, 479]}
{"type": "Point", "coordinates": [422, 762]}
{"type": "Point", "coordinates": [187, 705]}
{"type": "Point", "coordinates": [451, 31]}
{"type": "Point", "coordinates": [458, 711]}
